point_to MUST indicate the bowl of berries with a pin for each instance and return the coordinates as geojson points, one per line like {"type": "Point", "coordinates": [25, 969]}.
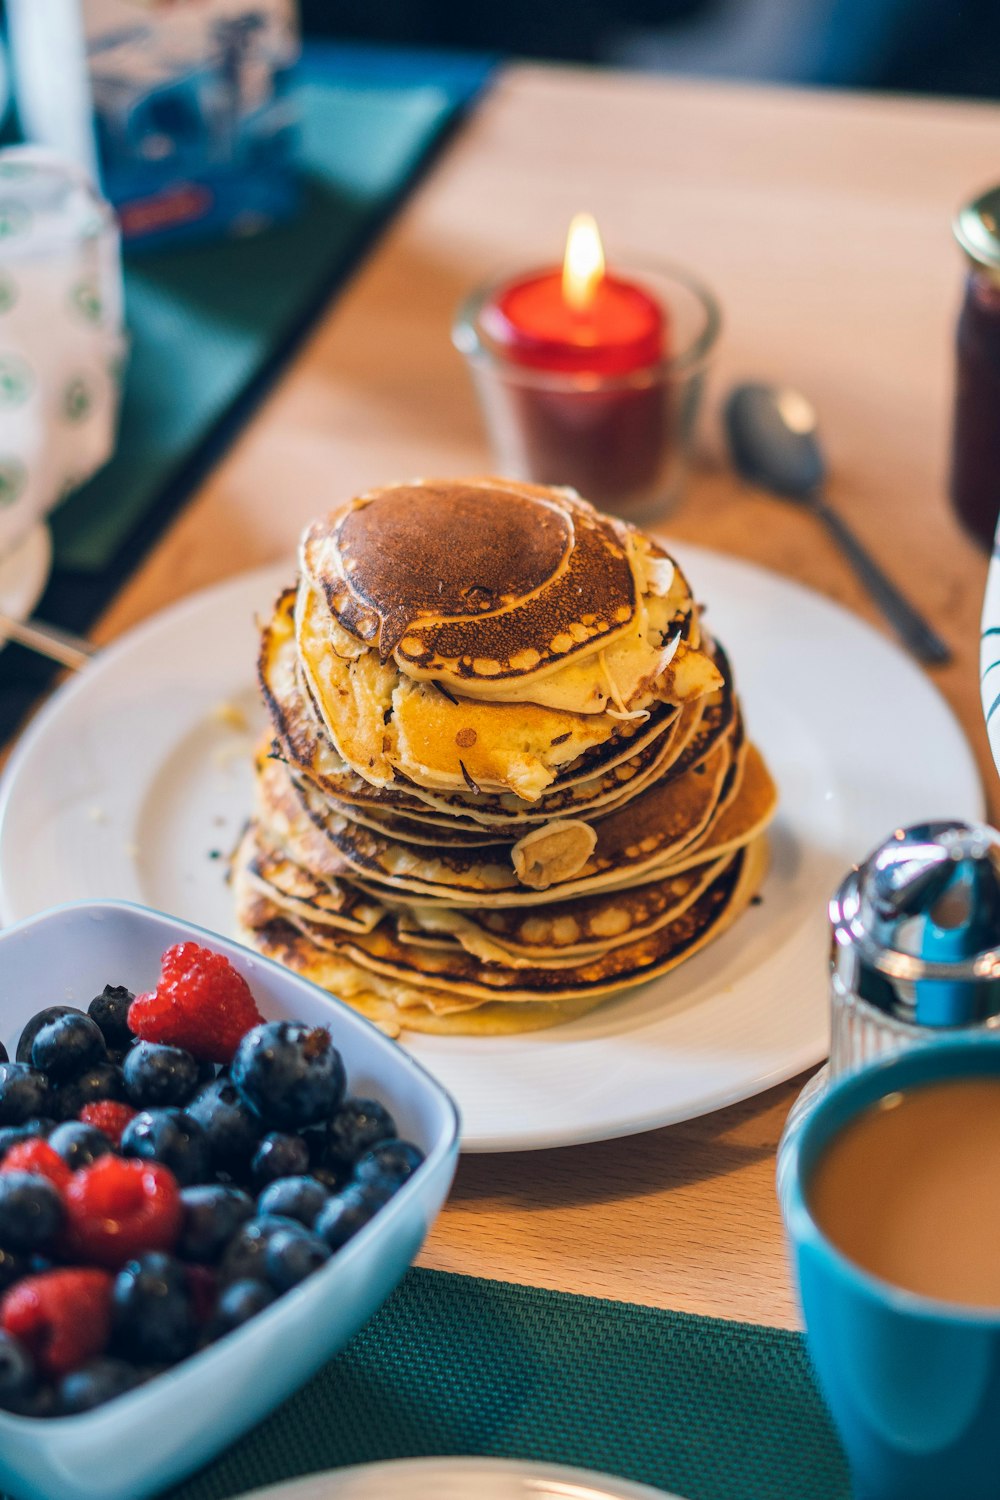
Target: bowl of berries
{"type": "Point", "coordinates": [211, 1175]}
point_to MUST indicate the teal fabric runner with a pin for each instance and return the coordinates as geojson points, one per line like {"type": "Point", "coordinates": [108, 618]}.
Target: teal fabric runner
{"type": "Point", "coordinates": [205, 321]}
{"type": "Point", "coordinates": [703, 1408]}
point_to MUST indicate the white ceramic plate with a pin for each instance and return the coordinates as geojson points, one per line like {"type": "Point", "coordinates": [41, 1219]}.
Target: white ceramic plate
{"type": "Point", "coordinates": [134, 782]}
{"type": "Point", "coordinates": [24, 572]}
{"type": "Point", "coordinates": [459, 1479]}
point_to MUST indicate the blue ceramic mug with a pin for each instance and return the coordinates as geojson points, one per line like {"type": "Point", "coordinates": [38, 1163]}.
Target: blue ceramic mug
{"type": "Point", "coordinates": [912, 1384]}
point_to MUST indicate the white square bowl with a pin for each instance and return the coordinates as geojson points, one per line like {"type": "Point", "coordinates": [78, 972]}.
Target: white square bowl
{"type": "Point", "coordinates": [149, 1438]}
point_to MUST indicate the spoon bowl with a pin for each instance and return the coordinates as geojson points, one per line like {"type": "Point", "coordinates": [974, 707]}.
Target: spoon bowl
{"type": "Point", "coordinates": [774, 443]}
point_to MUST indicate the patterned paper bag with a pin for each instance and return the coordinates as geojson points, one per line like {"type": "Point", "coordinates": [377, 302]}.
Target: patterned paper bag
{"type": "Point", "coordinates": [62, 343]}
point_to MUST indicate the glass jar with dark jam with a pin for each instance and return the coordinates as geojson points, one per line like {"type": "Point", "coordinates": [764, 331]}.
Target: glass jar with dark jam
{"type": "Point", "coordinates": [975, 454]}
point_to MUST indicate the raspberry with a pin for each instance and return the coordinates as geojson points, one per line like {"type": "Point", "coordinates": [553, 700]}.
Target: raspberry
{"type": "Point", "coordinates": [38, 1156]}
{"type": "Point", "coordinates": [201, 1004]}
{"type": "Point", "coordinates": [63, 1318]}
{"type": "Point", "coordinates": [109, 1115]}
{"type": "Point", "coordinates": [117, 1209]}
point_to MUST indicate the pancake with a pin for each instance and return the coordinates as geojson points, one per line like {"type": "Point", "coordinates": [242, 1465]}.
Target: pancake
{"type": "Point", "coordinates": [415, 671]}
{"type": "Point", "coordinates": [503, 778]}
{"type": "Point", "coordinates": [650, 829]}
{"type": "Point", "coordinates": [381, 981]}
{"type": "Point", "coordinates": [504, 602]}
{"type": "Point", "coordinates": [292, 888]}
{"type": "Point", "coordinates": [563, 932]}
{"type": "Point", "coordinates": [303, 743]}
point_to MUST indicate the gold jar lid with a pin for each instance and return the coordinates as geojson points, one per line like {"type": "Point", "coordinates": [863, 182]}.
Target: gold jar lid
{"type": "Point", "coordinates": [976, 227]}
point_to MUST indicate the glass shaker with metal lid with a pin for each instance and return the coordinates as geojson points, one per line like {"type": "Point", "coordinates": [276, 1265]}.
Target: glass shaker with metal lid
{"type": "Point", "coordinates": [915, 949]}
{"type": "Point", "coordinates": [975, 452]}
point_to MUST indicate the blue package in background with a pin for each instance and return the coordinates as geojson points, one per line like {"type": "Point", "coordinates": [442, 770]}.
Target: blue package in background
{"type": "Point", "coordinates": [181, 107]}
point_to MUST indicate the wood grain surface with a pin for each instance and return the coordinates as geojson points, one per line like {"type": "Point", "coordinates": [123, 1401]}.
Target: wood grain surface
{"type": "Point", "coordinates": [822, 222]}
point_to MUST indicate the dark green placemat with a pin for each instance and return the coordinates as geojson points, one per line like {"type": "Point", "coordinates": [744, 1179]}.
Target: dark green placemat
{"type": "Point", "coordinates": [711, 1410]}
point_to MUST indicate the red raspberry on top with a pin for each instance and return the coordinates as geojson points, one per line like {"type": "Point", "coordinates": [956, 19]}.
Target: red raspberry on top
{"type": "Point", "coordinates": [109, 1115]}
{"type": "Point", "coordinates": [38, 1156]}
{"type": "Point", "coordinates": [117, 1209]}
{"type": "Point", "coordinates": [201, 1004]}
{"type": "Point", "coordinates": [63, 1318]}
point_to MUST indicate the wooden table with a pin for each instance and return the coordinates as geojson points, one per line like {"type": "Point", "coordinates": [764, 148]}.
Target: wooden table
{"type": "Point", "coordinates": [822, 222]}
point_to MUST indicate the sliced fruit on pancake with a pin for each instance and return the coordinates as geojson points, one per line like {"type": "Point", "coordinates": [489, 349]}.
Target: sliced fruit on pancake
{"type": "Point", "coordinates": [455, 744]}
{"type": "Point", "coordinates": [592, 779]}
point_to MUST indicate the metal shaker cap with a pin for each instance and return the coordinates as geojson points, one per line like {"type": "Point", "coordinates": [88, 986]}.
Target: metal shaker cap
{"type": "Point", "coordinates": [916, 927]}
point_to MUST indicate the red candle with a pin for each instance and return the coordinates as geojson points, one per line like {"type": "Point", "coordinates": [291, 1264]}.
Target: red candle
{"type": "Point", "coordinates": [590, 330]}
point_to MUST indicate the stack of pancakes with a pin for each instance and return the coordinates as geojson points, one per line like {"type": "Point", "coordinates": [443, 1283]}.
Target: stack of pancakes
{"type": "Point", "coordinates": [506, 771]}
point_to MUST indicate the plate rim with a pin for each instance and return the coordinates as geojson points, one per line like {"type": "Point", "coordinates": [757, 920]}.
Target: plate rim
{"type": "Point", "coordinates": [596, 1480]}
{"type": "Point", "coordinates": [255, 583]}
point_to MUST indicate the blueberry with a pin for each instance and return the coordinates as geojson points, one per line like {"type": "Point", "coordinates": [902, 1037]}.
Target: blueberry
{"type": "Point", "coordinates": [67, 1047]}
{"type": "Point", "coordinates": [212, 1215]}
{"type": "Point", "coordinates": [232, 1128]}
{"type": "Point", "coordinates": [244, 1257]}
{"type": "Point", "coordinates": [298, 1198]}
{"type": "Point", "coordinates": [78, 1144]}
{"type": "Point", "coordinates": [357, 1126]}
{"type": "Point", "coordinates": [152, 1315]}
{"type": "Point", "coordinates": [172, 1137]}
{"type": "Point", "coordinates": [157, 1076]}
{"type": "Point", "coordinates": [239, 1303]}
{"type": "Point", "coordinates": [278, 1155]}
{"type": "Point", "coordinates": [24, 1093]}
{"type": "Point", "coordinates": [289, 1073]}
{"type": "Point", "coordinates": [291, 1256]}
{"type": "Point", "coordinates": [103, 1081]}
{"type": "Point", "coordinates": [349, 1211]}
{"type": "Point", "coordinates": [17, 1374]}
{"type": "Point", "coordinates": [26, 1040]}
{"type": "Point", "coordinates": [31, 1211]}
{"type": "Point", "coordinates": [94, 1383]}
{"type": "Point", "coordinates": [333, 1178]}
{"type": "Point", "coordinates": [396, 1160]}
{"type": "Point", "coordinates": [110, 1010]}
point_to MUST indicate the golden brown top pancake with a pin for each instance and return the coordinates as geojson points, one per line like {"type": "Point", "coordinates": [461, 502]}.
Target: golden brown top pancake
{"type": "Point", "coordinates": [479, 578]}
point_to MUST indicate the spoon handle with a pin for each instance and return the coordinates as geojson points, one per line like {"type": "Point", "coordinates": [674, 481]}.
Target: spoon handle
{"type": "Point", "coordinates": [913, 630]}
{"type": "Point", "coordinates": [48, 640]}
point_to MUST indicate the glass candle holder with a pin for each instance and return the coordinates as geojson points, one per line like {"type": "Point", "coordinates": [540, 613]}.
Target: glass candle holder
{"type": "Point", "coordinates": [622, 440]}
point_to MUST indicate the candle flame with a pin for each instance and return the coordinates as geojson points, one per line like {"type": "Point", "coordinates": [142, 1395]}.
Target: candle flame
{"type": "Point", "coordinates": [583, 263]}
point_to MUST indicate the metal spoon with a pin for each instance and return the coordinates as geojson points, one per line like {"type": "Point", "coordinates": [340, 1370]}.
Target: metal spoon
{"type": "Point", "coordinates": [774, 443]}
{"type": "Point", "coordinates": [59, 645]}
